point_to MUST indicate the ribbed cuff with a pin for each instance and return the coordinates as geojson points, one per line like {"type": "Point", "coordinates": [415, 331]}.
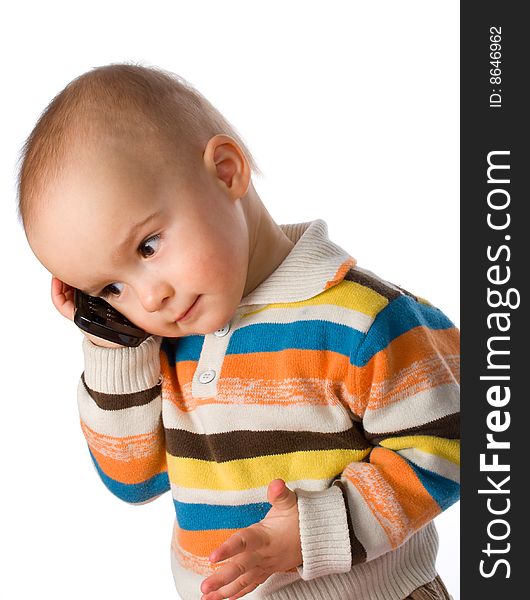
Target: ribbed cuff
{"type": "Point", "coordinates": [122, 370]}
{"type": "Point", "coordinates": [324, 533]}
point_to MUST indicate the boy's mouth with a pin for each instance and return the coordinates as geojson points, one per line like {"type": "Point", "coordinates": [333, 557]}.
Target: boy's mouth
{"type": "Point", "coordinates": [187, 313]}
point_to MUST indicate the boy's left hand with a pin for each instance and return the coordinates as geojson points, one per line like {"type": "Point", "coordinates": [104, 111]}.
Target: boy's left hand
{"type": "Point", "coordinates": [270, 546]}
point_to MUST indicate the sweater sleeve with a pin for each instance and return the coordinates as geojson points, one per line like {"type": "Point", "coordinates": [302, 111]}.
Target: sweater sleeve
{"type": "Point", "coordinates": [120, 407]}
{"type": "Point", "coordinates": [403, 382]}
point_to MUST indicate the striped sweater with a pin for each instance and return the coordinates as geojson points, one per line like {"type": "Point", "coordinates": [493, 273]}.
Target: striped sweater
{"type": "Point", "coordinates": [327, 376]}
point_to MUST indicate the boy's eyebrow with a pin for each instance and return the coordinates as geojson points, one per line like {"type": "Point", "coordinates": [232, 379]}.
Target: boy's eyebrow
{"type": "Point", "coordinates": [126, 242]}
{"type": "Point", "coordinates": [132, 233]}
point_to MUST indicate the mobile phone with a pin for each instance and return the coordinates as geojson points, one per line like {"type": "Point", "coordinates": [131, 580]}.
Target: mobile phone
{"type": "Point", "coordinates": [99, 318]}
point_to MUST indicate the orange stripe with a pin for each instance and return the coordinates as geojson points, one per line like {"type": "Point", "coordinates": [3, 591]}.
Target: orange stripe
{"type": "Point", "coordinates": [289, 392]}
{"type": "Point", "coordinates": [416, 360]}
{"type": "Point", "coordinates": [183, 371]}
{"type": "Point", "coordinates": [192, 548]}
{"type": "Point", "coordinates": [417, 503]}
{"type": "Point", "coordinates": [380, 499]}
{"type": "Point", "coordinates": [393, 493]}
{"type": "Point", "coordinates": [203, 543]}
{"type": "Point", "coordinates": [319, 379]}
{"type": "Point", "coordinates": [131, 459]}
{"type": "Point", "coordinates": [423, 375]}
{"type": "Point", "coordinates": [307, 364]}
{"type": "Point", "coordinates": [176, 387]}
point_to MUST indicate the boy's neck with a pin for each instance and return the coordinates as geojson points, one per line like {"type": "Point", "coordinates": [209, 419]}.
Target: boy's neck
{"type": "Point", "coordinates": [268, 244]}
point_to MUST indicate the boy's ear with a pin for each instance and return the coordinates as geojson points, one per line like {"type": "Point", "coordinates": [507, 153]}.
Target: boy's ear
{"type": "Point", "coordinates": [225, 160]}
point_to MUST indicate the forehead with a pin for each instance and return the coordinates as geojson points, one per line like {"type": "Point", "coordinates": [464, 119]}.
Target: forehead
{"type": "Point", "coordinates": [98, 193]}
{"type": "Point", "coordinates": [89, 210]}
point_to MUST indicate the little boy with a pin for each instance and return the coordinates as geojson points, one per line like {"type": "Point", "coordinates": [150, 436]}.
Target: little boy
{"type": "Point", "coordinates": [303, 412]}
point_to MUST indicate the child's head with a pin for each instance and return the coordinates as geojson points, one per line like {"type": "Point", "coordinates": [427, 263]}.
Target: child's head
{"type": "Point", "coordinates": [130, 184]}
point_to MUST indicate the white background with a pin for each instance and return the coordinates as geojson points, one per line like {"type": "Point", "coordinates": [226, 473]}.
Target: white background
{"type": "Point", "coordinates": [352, 112]}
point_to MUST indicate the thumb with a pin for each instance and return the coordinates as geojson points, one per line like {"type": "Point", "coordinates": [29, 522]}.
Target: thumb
{"type": "Point", "coordinates": [280, 495]}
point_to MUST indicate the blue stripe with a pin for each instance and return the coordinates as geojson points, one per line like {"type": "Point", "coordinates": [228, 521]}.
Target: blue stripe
{"type": "Point", "coordinates": [398, 317]}
{"type": "Point", "coordinates": [201, 517]}
{"type": "Point", "coordinates": [183, 348]}
{"type": "Point", "coordinates": [300, 335]}
{"type": "Point", "coordinates": [444, 491]}
{"type": "Point", "coordinates": [134, 492]}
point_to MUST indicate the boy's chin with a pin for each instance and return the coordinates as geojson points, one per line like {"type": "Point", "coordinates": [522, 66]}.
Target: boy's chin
{"type": "Point", "coordinates": [188, 329]}
{"type": "Point", "coordinates": [200, 324]}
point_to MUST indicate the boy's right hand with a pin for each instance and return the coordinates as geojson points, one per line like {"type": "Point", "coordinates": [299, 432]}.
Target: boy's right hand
{"type": "Point", "coordinates": [63, 300]}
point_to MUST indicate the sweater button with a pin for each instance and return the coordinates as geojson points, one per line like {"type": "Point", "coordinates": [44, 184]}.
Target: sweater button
{"type": "Point", "coordinates": [207, 376]}
{"type": "Point", "coordinates": [223, 331]}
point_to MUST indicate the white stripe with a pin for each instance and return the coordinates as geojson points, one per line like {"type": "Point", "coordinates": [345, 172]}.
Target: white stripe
{"type": "Point", "coordinates": [187, 582]}
{"type": "Point", "coordinates": [241, 497]}
{"type": "Point", "coordinates": [222, 418]}
{"type": "Point", "coordinates": [135, 420]}
{"type": "Point", "coordinates": [432, 462]}
{"type": "Point", "coordinates": [325, 312]}
{"type": "Point", "coordinates": [419, 409]}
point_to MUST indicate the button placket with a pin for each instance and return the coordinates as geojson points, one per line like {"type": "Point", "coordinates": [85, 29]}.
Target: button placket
{"type": "Point", "coordinates": [223, 331]}
{"type": "Point", "coordinates": [206, 377]}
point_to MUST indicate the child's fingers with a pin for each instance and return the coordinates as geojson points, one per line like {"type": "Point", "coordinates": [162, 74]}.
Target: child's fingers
{"type": "Point", "coordinates": [246, 591]}
{"type": "Point", "coordinates": [56, 290]}
{"type": "Point", "coordinates": [63, 298]}
{"type": "Point", "coordinates": [235, 585]}
{"type": "Point", "coordinates": [223, 579]}
{"type": "Point", "coordinates": [246, 540]}
{"type": "Point", "coordinates": [58, 286]}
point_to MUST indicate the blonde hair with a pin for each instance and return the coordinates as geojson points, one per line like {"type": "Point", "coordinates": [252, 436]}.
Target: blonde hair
{"type": "Point", "coordinates": [126, 100]}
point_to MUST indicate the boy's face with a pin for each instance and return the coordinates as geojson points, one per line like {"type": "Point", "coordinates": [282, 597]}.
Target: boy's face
{"type": "Point", "coordinates": [193, 252]}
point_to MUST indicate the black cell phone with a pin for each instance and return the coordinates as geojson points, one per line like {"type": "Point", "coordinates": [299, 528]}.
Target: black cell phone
{"type": "Point", "coordinates": [99, 318]}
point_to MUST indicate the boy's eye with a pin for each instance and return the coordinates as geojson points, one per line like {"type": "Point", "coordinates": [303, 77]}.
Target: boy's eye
{"type": "Point", "coordinates": [147, 248]}
{"type": "Point", "coordinates": [111, 290]}
{"type": "Point", "coordinates": [150, 246]}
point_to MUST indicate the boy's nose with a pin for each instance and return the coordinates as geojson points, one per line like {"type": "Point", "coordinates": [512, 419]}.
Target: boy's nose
{"type": "Point", "coordinates": [153, 296]}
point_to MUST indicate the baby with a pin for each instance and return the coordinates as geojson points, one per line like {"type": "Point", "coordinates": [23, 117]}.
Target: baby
{"type": "Point", "coordinates": [303, 412]}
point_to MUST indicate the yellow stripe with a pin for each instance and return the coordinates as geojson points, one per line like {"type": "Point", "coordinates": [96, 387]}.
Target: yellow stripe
{"type": "Point", "coordinates": [260, 471]}
{"type": "Point", "coordinates": [347, 294]}
{"type": "Point", "coordinates": [449, 449]}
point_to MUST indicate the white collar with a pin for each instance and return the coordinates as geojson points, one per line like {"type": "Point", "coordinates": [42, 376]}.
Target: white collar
{"type": "Point", "coordinates": [314, 264]}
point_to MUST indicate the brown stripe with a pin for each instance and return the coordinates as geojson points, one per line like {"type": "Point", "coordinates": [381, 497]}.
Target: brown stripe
{"type": "Point", "coordinates": [377, 285]}
{"type": "Point", "coordinates": [407, 293]}
{"type": "Point", "coordinates": [446, 427]}
{"type": "Point", "coordinates": [358, 553]}
{"type": "Point", "coordinates": [120, 401]}
{"type": "Point", "coordinates": [371, 282]}
{"type": "Point", "coordinates": [234, 445]}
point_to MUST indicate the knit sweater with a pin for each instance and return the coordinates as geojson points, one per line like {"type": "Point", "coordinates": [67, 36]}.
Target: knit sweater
{"type": "Point", "coordinates": [327, 376]}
